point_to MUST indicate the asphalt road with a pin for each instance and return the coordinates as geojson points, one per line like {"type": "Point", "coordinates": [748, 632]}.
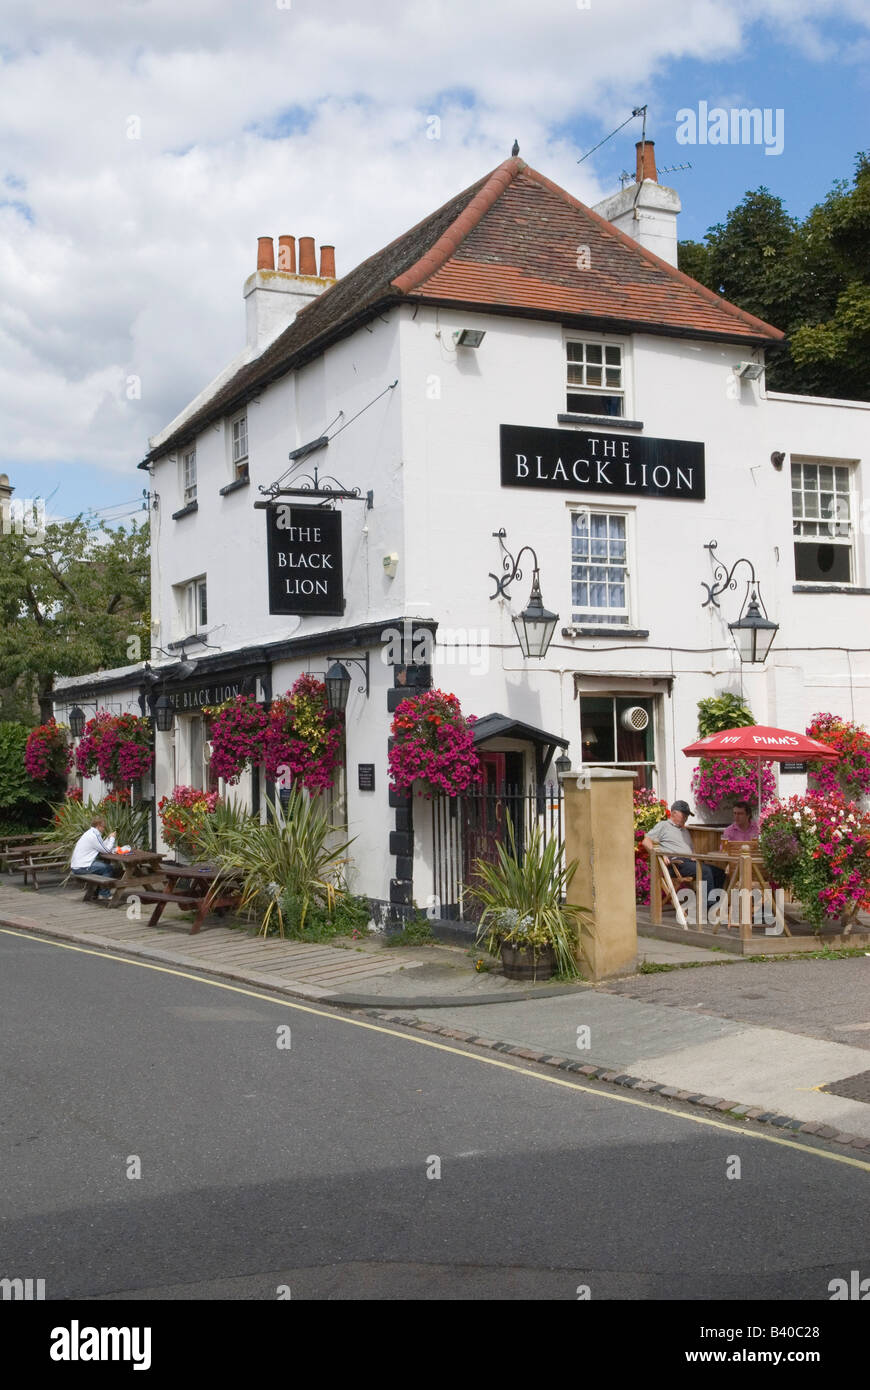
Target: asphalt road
{"type": "Point", "coordinates": [827, 999]}
{"type": "Point", "coordinates": [305, 1168]}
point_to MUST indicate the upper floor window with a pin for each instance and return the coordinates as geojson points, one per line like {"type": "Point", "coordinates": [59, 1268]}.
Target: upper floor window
{"type": "Point", "coordinates": [823, 523]}
{"type": "Point", "coordinates": [239, 445]}
{"type": "Point", "coordinates": [599, 568]}
{"type": "Point", "coordinates": [191, 607]}
{"type": "Point", "coordinates": [188, 477]}
{"type": "Point", "coordinates": [595, 381]}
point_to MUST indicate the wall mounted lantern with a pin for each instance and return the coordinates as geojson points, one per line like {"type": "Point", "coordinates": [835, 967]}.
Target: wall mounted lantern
{"type": "Point", "coordinates": [536, 624]}
{"type": "Point", "coordinates": [337, 681]}
{"type": "Point", "coordinates": [77, 721]}
{"type": "Point", "coordinates": [753, 632]}
{"type": "Point", "coordinates": [164, 714]}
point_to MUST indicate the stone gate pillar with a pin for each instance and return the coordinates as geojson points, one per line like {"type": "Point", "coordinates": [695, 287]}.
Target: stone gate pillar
{"type": "Point", "coordinates": [599, 834]}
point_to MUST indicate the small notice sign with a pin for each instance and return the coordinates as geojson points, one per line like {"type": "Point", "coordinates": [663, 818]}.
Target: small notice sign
{"type": "Point", "coordinates": [366, 775]}
{"type": "Point", "coordinates": [793, 767]}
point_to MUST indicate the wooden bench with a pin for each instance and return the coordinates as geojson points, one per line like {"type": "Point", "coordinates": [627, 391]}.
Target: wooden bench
{"type": "Point", "coordinates": [44, 861]}
{"type": "Point", "coordinates": [13, 849]}
{"type": "Point", "coordinates": [202, 902]}
{"type": "Point", "coordinates": [93, 883]}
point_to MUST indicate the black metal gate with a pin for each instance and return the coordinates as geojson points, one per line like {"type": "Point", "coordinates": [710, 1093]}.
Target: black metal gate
{"type": "Point", "coordinates": [469, 828]}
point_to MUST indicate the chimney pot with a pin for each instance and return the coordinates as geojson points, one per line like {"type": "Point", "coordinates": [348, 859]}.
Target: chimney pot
{"type": "Point", "coordinates": [265, 253]}
{"type": "Point", "coordinates": [646, 161]}
{"type": "Point", "coordinates": [307, 256]}
{"type": "Point", "coordinates": [327, 262]}
{"type": "Point", "coordinates": [287, 254]}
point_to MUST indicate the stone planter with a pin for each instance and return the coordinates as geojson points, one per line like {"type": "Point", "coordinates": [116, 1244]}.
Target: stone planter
{"type": "Point", "coordinates": [519, 962]}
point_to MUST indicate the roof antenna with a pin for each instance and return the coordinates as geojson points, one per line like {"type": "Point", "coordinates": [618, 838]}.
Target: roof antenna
{"type": "Point", "coordinates": [637, 111]}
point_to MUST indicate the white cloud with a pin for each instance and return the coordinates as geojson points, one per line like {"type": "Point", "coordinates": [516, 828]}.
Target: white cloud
{"type": "Point", "coordinates": [124, 256]}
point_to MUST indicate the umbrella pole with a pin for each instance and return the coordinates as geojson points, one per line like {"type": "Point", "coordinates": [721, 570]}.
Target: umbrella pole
{"type": "Point", "coordinates": [758, 812]}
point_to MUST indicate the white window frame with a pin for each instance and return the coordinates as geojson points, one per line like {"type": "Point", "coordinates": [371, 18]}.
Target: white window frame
{"type": "Point", "coordinates": [654, 698]}
{"type": "Point", "coordinates": [584, 388]}
{"type": "Point", "coordinates": [829, 526]}
{"type": "Point", "coordinates": [188, 476]}
{"type": "Point", "coordinates": [239, 458]}
{"type": "Point", "coordinates": [600, 620]}
{"type": "Point", "coordinates": [190, 597]}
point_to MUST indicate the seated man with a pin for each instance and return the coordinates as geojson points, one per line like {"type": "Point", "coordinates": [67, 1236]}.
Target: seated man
{"type": "Point", "coordinates": [87, 848]}
{"type": "Point", "coordinates": [743, 826]}
{"type": "Point", "coordinates": [673, 838]}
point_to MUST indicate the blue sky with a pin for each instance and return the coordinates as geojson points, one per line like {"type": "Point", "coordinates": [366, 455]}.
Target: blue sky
{"type": "Point", "coordinates": [123, 256]}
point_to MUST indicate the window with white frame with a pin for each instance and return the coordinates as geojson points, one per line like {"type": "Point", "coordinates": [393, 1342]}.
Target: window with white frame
{"type": "Point", "coordinates": [823, 522]}
{"type": "Point", "coordinates": [595, 383]}
{"type": "Point", "coordinates": [599, 568]}
{"type": "Point", "coordinates": [619, 731]}
{"type": "Point", "coordinates": [191, 606]}
{"type": "Point", "coordinates": [188, 477]}
{"type": "Point", "coordinates": [239, 445]}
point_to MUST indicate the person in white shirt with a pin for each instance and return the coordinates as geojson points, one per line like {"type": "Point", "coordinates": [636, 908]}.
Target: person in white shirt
{"type": "Point", "coordinates": [87, 848]}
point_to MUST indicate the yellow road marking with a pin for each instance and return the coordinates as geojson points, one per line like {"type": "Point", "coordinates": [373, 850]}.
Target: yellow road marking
{"type": "Point", "coordinates": [730, 1128]}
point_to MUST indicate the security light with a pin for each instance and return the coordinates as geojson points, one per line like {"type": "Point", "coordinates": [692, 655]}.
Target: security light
{"type": "Point", "coordinates": [469, 337]}
{"type": "Point", "coordinates": [748, 371]}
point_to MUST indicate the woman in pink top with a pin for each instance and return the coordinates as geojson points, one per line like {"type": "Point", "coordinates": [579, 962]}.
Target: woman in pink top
{"type": "Point", "coordinates": [743, 826]}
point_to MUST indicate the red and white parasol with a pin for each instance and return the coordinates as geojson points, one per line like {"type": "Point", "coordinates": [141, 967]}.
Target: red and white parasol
{"type": "Point", "coordinates": [760, 744]}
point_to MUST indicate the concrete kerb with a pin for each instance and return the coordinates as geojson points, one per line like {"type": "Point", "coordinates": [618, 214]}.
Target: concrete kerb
{"type": "Point", "coordinates": [614, 1076]}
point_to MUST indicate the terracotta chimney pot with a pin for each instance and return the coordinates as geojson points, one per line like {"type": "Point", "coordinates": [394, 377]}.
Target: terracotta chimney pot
{"type": "Point", "coordinates": [307, 256]}
{"type": "Point", "coordinates": [646, 161]}
{"type": "Point", "coordinates": [287, 254]}
{"type": "Point", "coordinates": [265, 253]}
{"type": "Point", "coordinates": [327, 262]}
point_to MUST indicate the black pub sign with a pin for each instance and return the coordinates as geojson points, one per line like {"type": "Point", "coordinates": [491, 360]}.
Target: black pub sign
{"type": "Point", "coordinates": [304, 555]}
{"type": "Point", "coordinates": [594, 461]}
{"type": "Point", "coordinates": [195, 696]}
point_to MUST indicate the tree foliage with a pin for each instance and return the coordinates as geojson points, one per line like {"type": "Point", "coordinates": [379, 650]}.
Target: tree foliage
{"type": "Point", "coordinates": [71, 601]}
{"type": "Point", "coordinates": [810, 278]}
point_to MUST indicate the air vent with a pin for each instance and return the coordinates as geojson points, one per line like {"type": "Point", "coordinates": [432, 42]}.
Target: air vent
{"type": "Point", "coordinates": [635, 719]}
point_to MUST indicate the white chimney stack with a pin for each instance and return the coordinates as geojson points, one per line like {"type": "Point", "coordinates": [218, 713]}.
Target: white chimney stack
{"type": "Point", "coordinates": [646, 210]}
{"type": "Point", "coordinates": [274, 295]}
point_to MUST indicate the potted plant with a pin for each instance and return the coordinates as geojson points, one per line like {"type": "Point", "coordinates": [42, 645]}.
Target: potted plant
{"type": "Point", "coordinates": [182, 815]}
{"type": "Point", "coordinates": [525, 917]}
{"type": "Point", "coordinates": [718, 782]}
{"type": "Point", "coordinates": [850, 776]}
{"type": "Point", "coordinates": [819, 847]}
{"type": "Point", "coordinates": [432, 743]}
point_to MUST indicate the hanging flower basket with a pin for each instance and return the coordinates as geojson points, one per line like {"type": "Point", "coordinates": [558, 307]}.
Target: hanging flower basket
{"type": "Point", "coordinates": [850, 777]}
{"type": "Point", "coordinates": [237, 736]}
{"type": "Point", "coordinates": [47, 752]}
{"type": "Point", "coordinates": [718, 782]}
{"type": "Point", "coordinates": [303, 738]}
{"type": "Point", "coordinates": [433, 744]}
{"type": "Point", "coordinates": [116, 747]}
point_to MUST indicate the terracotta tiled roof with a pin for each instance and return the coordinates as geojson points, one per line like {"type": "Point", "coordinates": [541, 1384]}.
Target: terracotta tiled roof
{"type": "Point", "coordinates": [506, 244]}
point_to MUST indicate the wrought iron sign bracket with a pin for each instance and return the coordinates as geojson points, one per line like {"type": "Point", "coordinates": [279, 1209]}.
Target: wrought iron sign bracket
{"type": "Point", "coordinates": [363, 663]}
{"type": "Point", "coordinates": [723, 578]}
{"type": "Point", "coordinates": [510, 566]}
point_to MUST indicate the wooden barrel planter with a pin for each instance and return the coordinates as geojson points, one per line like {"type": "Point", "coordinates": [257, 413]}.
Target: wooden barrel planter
{"type": "Point", "coordinates": [519, 963]}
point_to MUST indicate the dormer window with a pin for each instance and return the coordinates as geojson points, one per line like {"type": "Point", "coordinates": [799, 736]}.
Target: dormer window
{"type": "Point", "coordinates": [595, 383]}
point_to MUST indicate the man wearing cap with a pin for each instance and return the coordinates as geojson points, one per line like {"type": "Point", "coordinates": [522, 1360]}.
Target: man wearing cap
{"type": "Point", "coordinates": [672, 837]}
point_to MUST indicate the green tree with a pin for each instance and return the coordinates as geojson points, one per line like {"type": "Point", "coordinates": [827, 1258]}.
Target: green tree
{"type": "Point", "coordinates": [73, 601]}
{"type": "Point", "coordinates": [810, 278]}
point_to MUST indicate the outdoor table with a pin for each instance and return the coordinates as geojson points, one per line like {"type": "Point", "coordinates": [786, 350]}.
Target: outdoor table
{"type": "Point", "coordinates": [746, 870]}
{"type": "Point", "coordinates": [141, 870]}
{"type": "Point", "coordinates": [207, 890]}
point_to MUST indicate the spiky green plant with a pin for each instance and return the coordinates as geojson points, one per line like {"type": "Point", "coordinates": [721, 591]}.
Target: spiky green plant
{"type": "Point", "coordinates": [289, 857]}
{"type": "Point", "coordinates": [129, 824]}
{"type": "Point", "coordinates": [523, 899]}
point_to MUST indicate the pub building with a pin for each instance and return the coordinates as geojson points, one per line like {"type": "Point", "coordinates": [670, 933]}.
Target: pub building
{"type": "Point", "coordinates": [519, 382]}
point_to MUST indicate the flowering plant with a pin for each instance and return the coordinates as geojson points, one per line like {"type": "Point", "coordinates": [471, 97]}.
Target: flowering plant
{"type": "Point", "coordinates": [819, 847]}
{"type": "Point", "coordinates": [182, 815]}
{"type": "Point", "coordinates": [648, 811]}
{"type": "Point", "coordinates": [851, 775]}
{"type": "Point", "coordinates": [237, 735]}
{"type": "Point", "coordinates": [47, 752]}
{"type": "Point", "coordinates": [433, 743]}
{"type": "Point", "coordinates": [115, 746]}
{"type": "Point", "coordinates": [303, 738]}
{"type": "Point", "coordinates": [719, 780]}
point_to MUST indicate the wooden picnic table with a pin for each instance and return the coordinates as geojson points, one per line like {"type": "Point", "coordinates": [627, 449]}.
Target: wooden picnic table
{"type": "Point", "coordinates": [141, 870]}
{"type": "Point", "coordinates": [744, 870]}
{"type": "Point", "coordinates": [198, 886]}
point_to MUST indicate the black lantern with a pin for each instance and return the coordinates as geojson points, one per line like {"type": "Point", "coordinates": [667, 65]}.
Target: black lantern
{"type": "Point", "coordinates": [337, 687]}
{"type": "Point", "coordinates": [753, 633]}
{"type": "Point", "coordinates": [164, 714]}
{"type": "Point", "coordinates": [563, 765]}
{"type": "Point", "coordinates": [77, 721]}
{"type": "Point", "coordinates": [535, 625]}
